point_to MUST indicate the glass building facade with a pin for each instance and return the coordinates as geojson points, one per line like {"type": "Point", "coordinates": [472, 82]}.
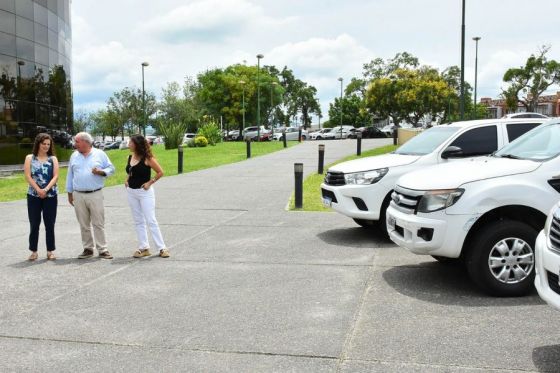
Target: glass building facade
{"type": "Point", "coordinates": [35, 75]}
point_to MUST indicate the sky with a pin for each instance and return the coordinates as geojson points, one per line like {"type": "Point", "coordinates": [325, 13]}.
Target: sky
{"type": "Point", "coordinates": [319, 41]}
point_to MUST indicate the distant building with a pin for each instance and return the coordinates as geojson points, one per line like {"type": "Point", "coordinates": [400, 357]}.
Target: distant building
{"type": "Point", "coordinates": [35, 74]}
{"type": "Point", "coordinates": [548, 105]}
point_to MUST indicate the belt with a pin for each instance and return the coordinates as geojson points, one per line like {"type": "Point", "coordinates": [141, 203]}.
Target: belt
{"type": "Point", "coordinates": [87, 191]}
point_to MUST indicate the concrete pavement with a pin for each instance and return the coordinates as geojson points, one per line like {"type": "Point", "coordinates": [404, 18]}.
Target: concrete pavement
{"type": "Point", "coordinates": [251, 287]}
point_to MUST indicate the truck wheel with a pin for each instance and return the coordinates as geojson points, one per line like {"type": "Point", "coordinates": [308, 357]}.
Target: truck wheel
{"type": "Point", "coordinates": [501, 258]}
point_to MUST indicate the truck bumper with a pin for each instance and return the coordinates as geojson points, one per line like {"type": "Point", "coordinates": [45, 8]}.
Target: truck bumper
{"type": "Point", "coordinates": [547, 272]}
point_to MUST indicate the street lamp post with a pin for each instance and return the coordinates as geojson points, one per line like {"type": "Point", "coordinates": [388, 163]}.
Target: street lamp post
{"type": "Point", "coordinates": [476, 39]}
{"type": "Point", "coordinates": [259, 56]}
{"type": "Point", "coordinates": [144, 64]}
{"type": "Point", "coordinates": [462, 99]}
{"type": "Point", "coordinates": [340, 80]}
{"type": "Point", "coordinates": [272, 85]}
{"type": "Point", "coordinates": [242, 82]}
{"type": "Point", "coordinates": [19, 106]}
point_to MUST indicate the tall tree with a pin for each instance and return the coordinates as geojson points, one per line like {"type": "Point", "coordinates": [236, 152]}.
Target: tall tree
{"type": "Point", "coordinates": [527, 83]}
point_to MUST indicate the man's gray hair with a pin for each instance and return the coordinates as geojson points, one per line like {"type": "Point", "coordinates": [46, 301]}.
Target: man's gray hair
{"type": "Point", "coordinates": [84, 136]}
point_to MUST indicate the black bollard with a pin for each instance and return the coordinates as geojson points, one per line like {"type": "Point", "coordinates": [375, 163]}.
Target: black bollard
{"type": "Point", "coordinates": [298, 174]}
{"type": "Point", "coordinates": [395, 135]}
{"type": "Point", "coordinates": [180, 159]}
{"type": "Point", "coordinates": [299, 134]}
{"type": "Point", "coordinates": [248, 142]}
{"type": "Point", "coordinates": [321, 158]}
{"type": "Point", "coordinates": [359, 143]}
{"type": "Point", "coordinates": [284, 139]}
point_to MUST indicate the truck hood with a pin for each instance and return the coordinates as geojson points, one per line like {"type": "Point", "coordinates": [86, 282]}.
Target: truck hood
{"type": "Point", "coordinates": [375, 162]}
{"type": "Point", "coordinates": [454, 174]}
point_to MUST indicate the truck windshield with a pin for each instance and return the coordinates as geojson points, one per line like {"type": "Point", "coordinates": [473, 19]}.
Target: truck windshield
{"type": "Point", "coordinates": [539, 144]}
{"type": "Point", "coordinates": [427, 141]}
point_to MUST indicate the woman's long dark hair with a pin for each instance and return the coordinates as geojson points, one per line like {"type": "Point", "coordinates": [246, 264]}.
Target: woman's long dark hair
{"type": "Point", "coordinates": [141, 146]}
{"type": "Point", "coordinates": [39, 139]}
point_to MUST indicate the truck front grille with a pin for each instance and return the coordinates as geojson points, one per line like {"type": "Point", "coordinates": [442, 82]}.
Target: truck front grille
{"type": "Point", "coordinates": [406, 200]}
{"type": "Point", "coordinates": [554, 234]}
{"type": "Point", "coordinates": [335, 178]}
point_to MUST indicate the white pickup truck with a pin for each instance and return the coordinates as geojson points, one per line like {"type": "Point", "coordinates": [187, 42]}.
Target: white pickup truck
{"type": "Point", "coordinates": [361, 188]}
{"type": "Point", "coordinates": [485, 211]}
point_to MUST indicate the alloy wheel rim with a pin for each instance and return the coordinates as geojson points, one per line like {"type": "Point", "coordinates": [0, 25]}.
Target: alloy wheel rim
{"type": "Point", "coordinates": [511, 260]}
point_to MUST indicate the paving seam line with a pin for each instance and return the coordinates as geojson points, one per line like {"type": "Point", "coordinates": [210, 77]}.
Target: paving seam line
{"type": "Point", "coordinates": [143, 346]}
{"type": "Point", "coordinates": [352, 330]}
{"type": "Point", "coordinates": [95, 280]}
{"type": "Point", "coordinates": [420, 365]}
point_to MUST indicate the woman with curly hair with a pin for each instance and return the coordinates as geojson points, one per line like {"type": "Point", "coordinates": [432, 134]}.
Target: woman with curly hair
{"type": "Point", "coordinates": [141, 197]}
{"type": "Point", "coordinates": [41, 172]}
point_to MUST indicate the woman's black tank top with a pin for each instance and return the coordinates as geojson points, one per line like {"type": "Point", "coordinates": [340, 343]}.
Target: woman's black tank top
{"type": "Point", "coordinates": [137, 174]}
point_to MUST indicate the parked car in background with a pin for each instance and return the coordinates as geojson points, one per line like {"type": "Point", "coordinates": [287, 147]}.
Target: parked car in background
{"type": "Point", "coordinates": [124, 144]}
{"type": "Point", "coordinates": [292, 133]}
{"type": "Point", "coordinates": [251, 133]}
{"type": "Point", "coordinates": [99, 145]}
{"type": "Point", "coordinates": [320, 134]}
{"type": "Point", "coordinates": [113, 145]}
{"type": "Point", "coordinates": [233, 135]}
{"type": "Point", "coordinates": [367, 133]}
{"type": "Point", "coordinates": [341, 132]}
{"type": "Point", "coordinates": [487, 211]}
{"type": "Point", "coordinates": [547, 255]}
{"type": "Point", "coordinates": [361, 189]}
{"type": "Point", "coordinates": [188, 137]}
{"type": "Point", "coordinates": [525, 115]}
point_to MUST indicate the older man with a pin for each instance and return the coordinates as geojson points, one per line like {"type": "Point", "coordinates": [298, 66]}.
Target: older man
{"type": "Point", "coordinates": [87, 169]}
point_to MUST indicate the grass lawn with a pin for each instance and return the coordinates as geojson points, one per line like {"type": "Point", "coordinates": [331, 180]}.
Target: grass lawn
{"type": "Point", "coordinates": [15, 187]}
{"type": "Point", "coordinates": [312, 184]}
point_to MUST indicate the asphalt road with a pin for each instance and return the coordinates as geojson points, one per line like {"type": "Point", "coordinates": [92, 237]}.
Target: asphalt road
{"type": "Point", "coordinates": [251, 287]}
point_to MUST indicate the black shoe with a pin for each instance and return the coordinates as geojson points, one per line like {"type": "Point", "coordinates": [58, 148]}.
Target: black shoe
{"type": "Point", "coordinates": [87, 253]}
{"type": "Point", "coordinates": [105, 255]}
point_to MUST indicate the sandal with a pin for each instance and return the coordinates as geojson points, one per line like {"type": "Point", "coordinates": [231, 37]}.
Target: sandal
{"type": "Point", "coordinates": [50, 255]}
{"type": "Point", "coordinates": [33, 256]}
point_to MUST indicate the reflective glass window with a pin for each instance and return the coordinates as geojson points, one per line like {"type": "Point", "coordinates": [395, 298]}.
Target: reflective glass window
{"type": "Point", "coordinates": [42, 2]}
{"type": "Point", "coordinates": [8, 44]}
{"type": "Point", "coordinates": [41, 34]}
{"type": "Point", "coordinates": [24, 8]}
{"type": "Point", "coordinates": [53, 21]}
{"type": "Point", "coordinates": [25, 49]}
{"type": "Point", "coordinates": [24, 28]}
{"type": "Point", "coordinates": [52, 5]}
{"type": "Point", "coordinates": [66, 11]}
{"type": "Point", "coordinates": [60, 44]}
{"type": "Point", "coordinates": [53, 58]}
{"type": "Point", "coordinates": [41, 15]}
{"type": "Point", "coordinates": [7, 22]}
{"type": "Point", "coordinates": [478, 141]}
{"type": "Point", "coordinates": [7, 66]}
{"type": "Point", "coordinates": [9, 5]}
{"type": "Point", "coordinates": [27, 70]}
{"type": "Point", "coordinates": [60, 8]}
{"type": "Point", "coordinates": [53, 40]}
{"type": "Point", "coordinates": [41, 54]}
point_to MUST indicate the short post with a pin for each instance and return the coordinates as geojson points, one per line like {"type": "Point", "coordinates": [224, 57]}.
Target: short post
{"type": "Point", "coordinates": [298, 174]}
{"type": "Point", "coordinates": [180, 159]}
{"type": "Point", "coordinates": [248, 142]}
{"type": "Point", "coordinates": [321, 158]}
{"type": "Point", "coordinates": [284, 138]}
{"type": "Point", "coordinates": [299, 134]}
{"type": "Point", "coordinates": [359, 143]}
{"type": "Point", "coordinates": [395, 135]}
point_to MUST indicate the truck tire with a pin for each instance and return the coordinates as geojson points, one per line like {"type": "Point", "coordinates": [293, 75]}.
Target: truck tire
{"type": "Point", "coordinates": [501, 258]}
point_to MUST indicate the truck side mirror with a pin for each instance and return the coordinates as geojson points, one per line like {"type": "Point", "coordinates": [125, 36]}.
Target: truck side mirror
{"type": "Point", "coordinates": [452, 152]}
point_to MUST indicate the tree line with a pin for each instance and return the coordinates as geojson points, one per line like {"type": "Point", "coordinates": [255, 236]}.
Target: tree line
{"type": "Point", "coordinates": [397, 88]}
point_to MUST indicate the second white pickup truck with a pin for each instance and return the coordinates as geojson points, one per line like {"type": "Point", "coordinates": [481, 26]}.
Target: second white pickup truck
{"type": "Point", "coordinates": [486, 211]}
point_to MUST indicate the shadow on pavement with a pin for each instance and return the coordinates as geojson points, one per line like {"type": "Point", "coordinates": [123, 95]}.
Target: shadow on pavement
{"type": "Point", "coordinates": [446, 284]}
{"type": "Point", "coordinates": [355, 237]}
{"type": "Point", "coordinates": [547, 358]}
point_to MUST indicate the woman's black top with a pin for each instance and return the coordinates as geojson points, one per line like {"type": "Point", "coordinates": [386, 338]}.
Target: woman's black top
{"type": "Point", "coordinates": [137, 174]}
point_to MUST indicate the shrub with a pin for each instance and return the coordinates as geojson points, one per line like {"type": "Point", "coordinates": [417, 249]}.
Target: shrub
{"type": "Point", "coordinates": [173, 133]}
{"type": "Point", "coordinates": [211, 132]}
{"type": "Point", "coordinates": [200, 141]}
{"type": "Point", "coordinates": [26, 140]}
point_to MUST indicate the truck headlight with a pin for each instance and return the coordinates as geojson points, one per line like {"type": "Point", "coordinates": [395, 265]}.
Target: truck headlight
{"type": "Point", "coordinates": [366, 177]}
{"type": "Point", "coordinates": [435, 200]}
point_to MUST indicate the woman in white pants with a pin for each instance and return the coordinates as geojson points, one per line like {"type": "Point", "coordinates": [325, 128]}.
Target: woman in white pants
{"type": "Point", "coordinates": [141, 197]}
